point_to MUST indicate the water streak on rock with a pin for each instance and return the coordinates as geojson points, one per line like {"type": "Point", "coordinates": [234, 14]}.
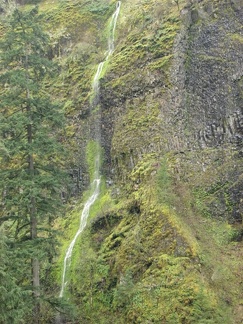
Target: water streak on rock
{"type": "Point", "coordinates": [97, 179]}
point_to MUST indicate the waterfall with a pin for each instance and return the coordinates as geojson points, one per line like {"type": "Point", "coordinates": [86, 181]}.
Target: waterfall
{"type": "Point", "coordinates": [111, 42]}
{"type": "Point", "coordinates": [95, 186]}
{"type": "Point", "coordinates": [83, 222]}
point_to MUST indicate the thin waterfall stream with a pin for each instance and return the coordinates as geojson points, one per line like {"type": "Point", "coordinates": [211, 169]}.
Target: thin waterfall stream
{"type": "Point", "coordinates": [95, 186]}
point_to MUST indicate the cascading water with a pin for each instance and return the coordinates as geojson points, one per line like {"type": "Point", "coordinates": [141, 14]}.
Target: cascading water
{"type": "Point", "coordinates": [96, 182]}
{"type": "Point", "coordinates": [111, 42]}
{"type": "Point", "coordinates": [83, 221]}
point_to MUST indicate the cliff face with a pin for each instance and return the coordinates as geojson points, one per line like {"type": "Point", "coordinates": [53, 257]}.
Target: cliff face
{"type": "Point", "coordinates": [164, 243]}
{"type": "Point", "coordinates": [210, 114]}
{"type": "Point", "coordinates": [181, 95]}
{"type": "Point", "coordinates": [171, 103]}
{"type": "Point", "coordinates": [212, 71]}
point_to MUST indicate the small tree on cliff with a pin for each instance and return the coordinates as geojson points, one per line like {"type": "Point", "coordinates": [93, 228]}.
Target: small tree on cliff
{"type": "Point", "coordinates": [30, 164]}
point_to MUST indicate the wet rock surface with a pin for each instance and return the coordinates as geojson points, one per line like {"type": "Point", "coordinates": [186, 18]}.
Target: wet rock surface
{"type": "Point", "coordinates": [198, 103]}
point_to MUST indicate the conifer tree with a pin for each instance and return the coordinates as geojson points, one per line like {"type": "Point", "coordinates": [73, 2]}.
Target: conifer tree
{"type": "Point", "coordinates": [31, 155]}
{"type": "Point", "coordinates": [13, 299]}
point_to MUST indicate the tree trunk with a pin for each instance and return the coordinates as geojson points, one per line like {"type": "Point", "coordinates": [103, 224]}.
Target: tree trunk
{"type": "Point", "coordinates": [34, 261]}
{"type": "Point", "coordinates": [33, 234]}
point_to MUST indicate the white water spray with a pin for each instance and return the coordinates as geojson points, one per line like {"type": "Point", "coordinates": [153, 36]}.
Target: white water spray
{"type": "Point", "coordinates": [96, 183]}
{"type": "Point", "coordinates": [83, 222]}
{"type": "Point", "coordinates": [111, 46]}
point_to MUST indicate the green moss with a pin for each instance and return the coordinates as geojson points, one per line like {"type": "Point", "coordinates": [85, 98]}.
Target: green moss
{"type": "Point", "coordinates": [139, 260]}
{"type": "Point", "coordinates": [154, 297]}
{"type": "Point", "coordinates": [93, 157]}
{"type": "Point", "coordinates": [161, 63]}
{"type": "Point", "coordinates": [142, 47]}
{"type": "Point", "coordinates": [138, 123]}
{"type": "Point", "coordinates": [237, 38]}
